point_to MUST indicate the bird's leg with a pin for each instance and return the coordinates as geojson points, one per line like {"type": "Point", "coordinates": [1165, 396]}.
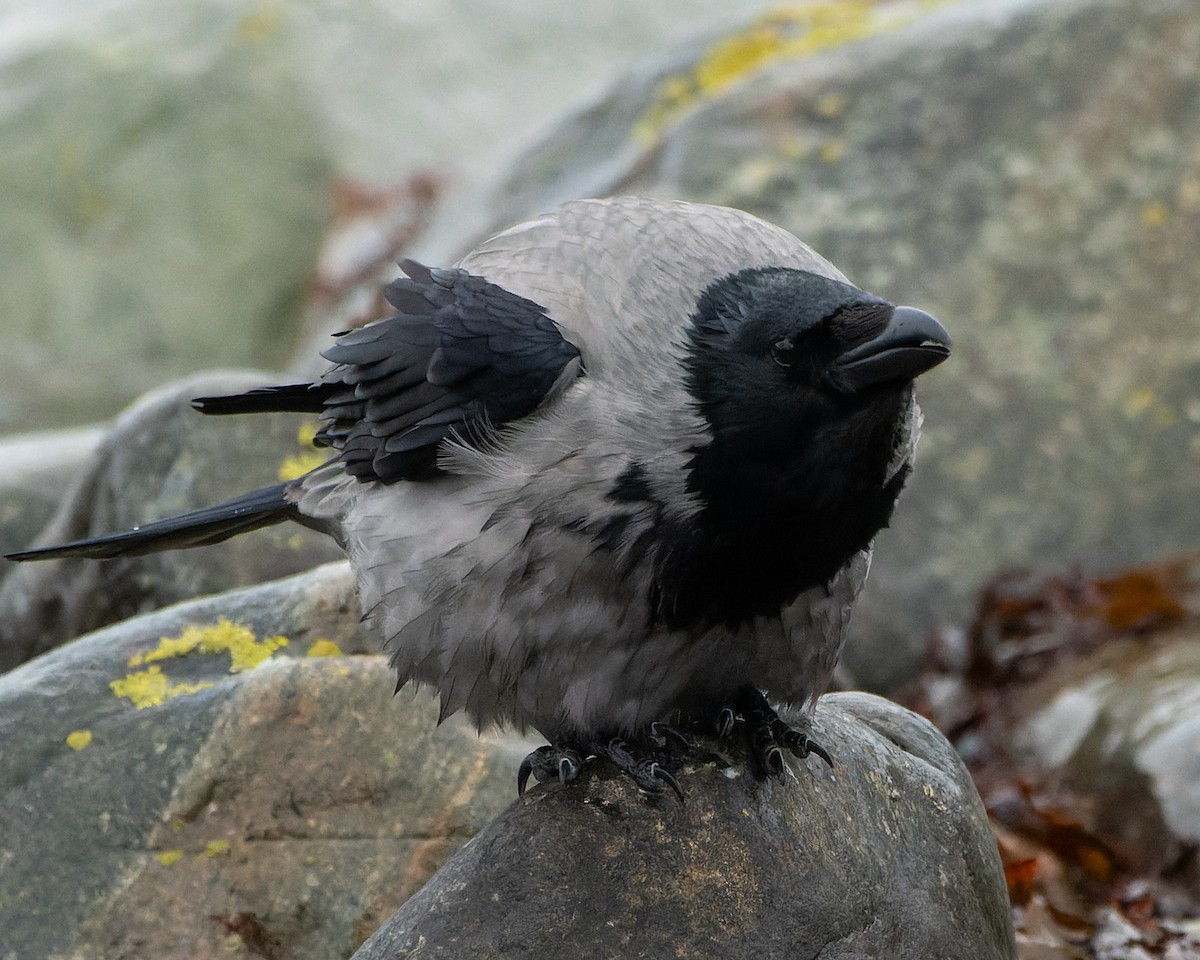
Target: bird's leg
{"type": "Point", "coordinates": [768, 734]}
{"type": "Point", "coordinates": [550, 762]}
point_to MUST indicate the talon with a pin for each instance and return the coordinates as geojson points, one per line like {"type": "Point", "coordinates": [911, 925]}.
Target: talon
{"type": "Point", "coordinates": [725, 722]}
{"type": "Point", "coordinates": [666, 777]}
{"type": "Point", "coordinates": [523, 773]}
{"type": "Point", "coordinates": [568, 770]}
{"type": "Point", "coordinates": [801, 744]}
{"type": "Point", "coordinates": [813, 747]}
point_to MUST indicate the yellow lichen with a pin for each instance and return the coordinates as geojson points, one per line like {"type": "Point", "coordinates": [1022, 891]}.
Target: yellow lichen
{"type": "Point", "coordinates": [168, 858]}
{"type": "Point", "coordinates": [1144, 401]}
{"type": "Point", "coordinates": [755, 175]}
{"type": "Point", "coordinates": [260, 24]}
{"type": "Point", "coordinates": [216, 848]}
{"type": "Point", "coordinates": [1154, 214]}
{"type": "Point", "coordinates": [787, 32]}
{"type": "Point", "coordinates": [739, 55]}
{"type": "Point", "coordinates": [150, 687]}
{"type": "Point", "coordinates": [168, 648]}
{"type": "Point", "coordinates": [830, 105]}
{"type": "Point", "coordinates": [324, 648]}
{"type": "Point", "coordinates": [245, 651]}
{"type": "Point", "coordinates": [832, 151]}
{"type": "Point", "coordinates": [78, 739]}
{"type": "Point", "coordinates": [309, 458]}
{"type": "Point", "coordinates": [1140, 400]}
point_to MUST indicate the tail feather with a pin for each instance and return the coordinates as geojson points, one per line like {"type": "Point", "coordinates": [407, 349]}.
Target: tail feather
{"type": "Point", "coordinates": [193, 529]}
{"type": "Point", "coordinates": [291, 397]}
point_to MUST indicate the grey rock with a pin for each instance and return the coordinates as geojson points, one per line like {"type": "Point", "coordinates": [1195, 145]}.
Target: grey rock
{"type": "Point", "coordinates": [888, 855]}
{"type": "Point", "coordinates": [166, 186]}
{"type": "Point", "coordinates": [1120, 727]}
{"type": "Point", "coordinates": [1027, 171]}
{"type": "Point", "coordinates": [293, 803]}
{"type": "Point", "coordinates": [159, 458]}
{"type": "Point", "coordinates": [31, 470]}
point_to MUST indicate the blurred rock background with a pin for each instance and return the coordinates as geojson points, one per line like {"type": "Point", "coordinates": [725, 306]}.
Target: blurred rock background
{"type": "Point", "coordinates": [169, 173]}
{"type": "Point", "coordinates": [224, 183]}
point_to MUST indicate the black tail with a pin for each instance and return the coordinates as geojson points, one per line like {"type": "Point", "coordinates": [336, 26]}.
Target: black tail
{"type": "Point", "coordinates": [194, 529]}
{"type": "Point", "coordinates": [292, 397]}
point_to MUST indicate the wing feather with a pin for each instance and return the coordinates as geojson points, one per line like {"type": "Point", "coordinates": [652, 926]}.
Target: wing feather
{"type": "Point", "coordinates": [460, 356]}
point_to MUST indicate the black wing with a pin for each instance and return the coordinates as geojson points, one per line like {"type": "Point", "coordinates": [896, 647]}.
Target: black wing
{"type": "Point", "coordinates": [460, 356]}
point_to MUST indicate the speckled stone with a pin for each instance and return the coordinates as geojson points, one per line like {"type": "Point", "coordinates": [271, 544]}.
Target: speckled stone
{"type": "Point", "coordinates": [295, 801]}
{"type": "Point", "coordinates": [887, 855]}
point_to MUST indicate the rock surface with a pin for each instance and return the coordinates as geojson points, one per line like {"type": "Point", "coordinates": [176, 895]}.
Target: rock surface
{"type": "Point", "coordinates": [1073, 699]}
{"type": "Point", "coordinates": [1122, 728]}
{"type": "Point", "coordinates": [888, 855]}
{"type": "Point", "coordinates": [225, 771]}
{"type": "Point", "coordinates": [165, 201]}
{"type": "Point", "coordinates": [161, 458]}
{"type": "Point", "coordinates": [1026, 170]}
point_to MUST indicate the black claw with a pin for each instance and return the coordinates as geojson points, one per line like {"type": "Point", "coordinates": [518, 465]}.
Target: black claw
{"type": "Point", "coordinates": [523, 773]}
{"type": "Point", "coordinates": [666, 777]}
{"type": "Point", "coordinates": [568, 770]}
{"type": "Point", "coordinates": [725, 722]}
{"type": "Point", "coordinates": [802, 746]}
{"type": "Point", "coordinates": [799, 743]}
{"type": "Point", "coordinates": [820, 751]}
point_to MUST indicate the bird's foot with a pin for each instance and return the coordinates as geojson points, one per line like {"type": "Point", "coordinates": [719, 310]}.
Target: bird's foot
{"type": "Point", "coordinates": [769, 736]}
{"type": "Point", "coordinates": [561, 763]}
{"type": "Point", "coordinates": [646, 771]}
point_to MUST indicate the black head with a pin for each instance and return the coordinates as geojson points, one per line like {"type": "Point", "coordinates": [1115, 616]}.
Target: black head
{"type": "Point", "coordinates": [773, 347]}
{"type": "Point", "coordinates": [806, 385]}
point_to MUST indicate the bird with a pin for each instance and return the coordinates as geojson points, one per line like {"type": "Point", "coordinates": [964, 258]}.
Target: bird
{"type": "Point", "coordinates": [615, 474]}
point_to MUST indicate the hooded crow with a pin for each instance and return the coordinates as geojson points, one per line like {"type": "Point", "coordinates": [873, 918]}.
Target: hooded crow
{"type": "Point", "coordinates": [620, 468]}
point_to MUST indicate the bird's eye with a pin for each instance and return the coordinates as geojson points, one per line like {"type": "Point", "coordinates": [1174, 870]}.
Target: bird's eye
{"type": "Point", "coordinates": [783, 352]}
